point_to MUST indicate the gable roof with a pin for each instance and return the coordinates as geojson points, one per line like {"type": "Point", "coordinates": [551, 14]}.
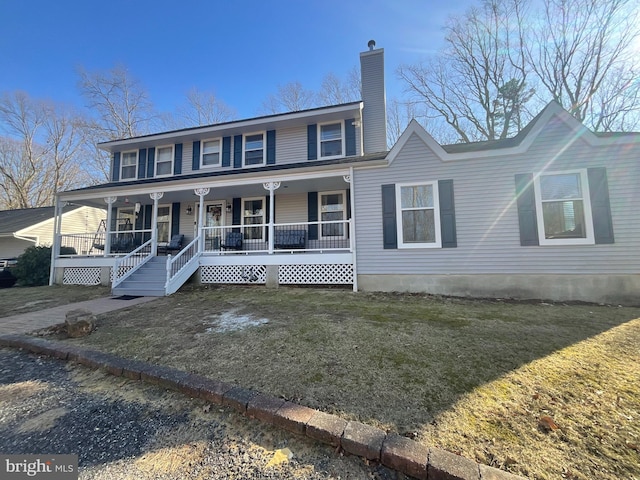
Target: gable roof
{"type": "Point", "coordinates": [517, 144]}
{"type": "Point", "coordinates": [12, 221]}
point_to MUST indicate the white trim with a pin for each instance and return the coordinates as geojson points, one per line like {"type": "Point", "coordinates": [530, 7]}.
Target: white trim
{"type": "Point", "coordinates": [342, 139]}
{"type": "Point", "coordinates": [553, 109]}
{"type": "Point", "coordinates": [219, 164]}
{"type": "Point", "coordinates": [157, 158]}
{"type": "Point", "coordinates": [122, 166]}
{"type": "Point", "coordinates": [344, 214]}
{"type": "Point", "coordinates": [586, 203]}
{"type": "Point", "coordinates": [436, 216]}
{"type": "Point", "coordinates": [264, 149]}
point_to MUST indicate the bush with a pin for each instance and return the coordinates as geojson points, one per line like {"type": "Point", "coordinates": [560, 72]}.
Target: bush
{"type": "Point", "coordinates": [34, 265]}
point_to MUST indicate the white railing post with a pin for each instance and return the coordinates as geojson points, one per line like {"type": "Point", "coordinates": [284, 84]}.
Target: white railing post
{"type": "Point", "coordinates": [107, 240]}
{"type": "Point", "coordinates": [272, 187]}
{"type": "Point", "coordinates": [55, 248]}
{"type": "Point", "coordinates": [154, 221]}
{"type": "Point", "coordinates": [166, 283]}
{"type": "Point", "coordinates": [201, 192]}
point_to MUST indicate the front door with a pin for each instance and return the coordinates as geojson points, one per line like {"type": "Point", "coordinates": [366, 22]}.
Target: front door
{"type": "Point", "coordinates": [213, 221]}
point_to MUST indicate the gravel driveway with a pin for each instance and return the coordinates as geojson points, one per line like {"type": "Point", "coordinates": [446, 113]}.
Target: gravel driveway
{"type": "Point", "coordinates": [125, 429]}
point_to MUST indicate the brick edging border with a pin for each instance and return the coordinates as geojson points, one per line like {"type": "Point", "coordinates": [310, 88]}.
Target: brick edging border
{"type": "Point", "coordinates": [391, 450]}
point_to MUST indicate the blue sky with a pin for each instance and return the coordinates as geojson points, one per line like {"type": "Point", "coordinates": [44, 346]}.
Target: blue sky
{"type": "Point", "coordinates": [242, 50]}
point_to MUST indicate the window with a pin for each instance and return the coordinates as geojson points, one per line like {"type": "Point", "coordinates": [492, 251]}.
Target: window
{"type": "Point", "coordinates": [331, 140]}
{"type": "Point", "coordinates": [254, 149]}
{"type": "Point", "coordinates": [129, 165]}
{"type": "Point", "coordinates": [253, 214]}
{"type": "Point", "coordinates": [563, 208]}
{"type": "Point", "coordinates": [126, 219]}
{"type": "Point", "coordinates": [164, 161]}
{"type": "Point", "coordinates": [332, 208]}
{"type": "Point", "coordinates": [418, 211]}
{"type": "Point", "coordinates": [210, 155]}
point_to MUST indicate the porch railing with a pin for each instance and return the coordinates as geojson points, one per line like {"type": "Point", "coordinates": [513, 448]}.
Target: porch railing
{"type": "Point", "coordinates": [287, 237]}
{"type": "Point", "coordinates": [182, 264]}
{"type": "Point", "coordinates": [122, 242]}
{"type": "Point", "coordinates": [123, 267]}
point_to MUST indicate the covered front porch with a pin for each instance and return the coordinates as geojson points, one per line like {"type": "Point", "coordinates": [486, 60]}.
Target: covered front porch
{"type": "Point", "coordinates": [290, 229]}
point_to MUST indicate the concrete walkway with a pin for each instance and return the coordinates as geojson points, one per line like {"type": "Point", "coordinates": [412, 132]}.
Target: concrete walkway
{"type": "Point", "coordinates": [27, 322]}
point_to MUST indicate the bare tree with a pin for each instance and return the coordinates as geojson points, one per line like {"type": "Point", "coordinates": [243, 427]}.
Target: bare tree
{"type": "Point", "coordinates": [291, 97]}
{"type": "Point", "coordinates": [334, 91]}
{"type": "Point", "coordinates": [204, 108]}
{"type": "Point", "coordinates": [39, 154]}
{"type": "Point", "coordinates": [121, 105]}
{"type": "Point", "coordinates": [478, 85]}
{"type": "Point", "coordinates": [582, 54]}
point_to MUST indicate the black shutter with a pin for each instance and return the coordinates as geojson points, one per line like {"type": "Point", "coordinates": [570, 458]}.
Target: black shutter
{"type": "Point", "coordinates": [350, 137]}
{"type": "Point", "coordinates": [226, 152]}
{"type": "Point", "coordinates": [195, 159]}
{"type": "Point", "coordinates": [237, 151]}
{"type": "Point", "coordinates": [115, 170]}
{"type": "Point", "coordinates": [267, 216]}
{"type": "Point", "coordinates": [389, 226]}
{"type": "Point", "coordinates": [312, 142]}
{"type": "Point", "coordinates": [312, 214]}
{"type": "Point", "coordinates": [177, 159]}
{"type": "Point", "coordinates": [527, 218]}
{"type": "Point", "coordinates": [271, 147]}
{"type": "Point", "coordinates": [236, 216]}
{"type": "Point", "coordinates": [600, 206]}
{"type": "Point", "coordinates": [139, 225]}
{"type": "Point", "coordinates": [114, 219]}
{"type": "Point", "coordinates": [142, 162]}
{"type": "Point", "coordinates": [148, 214]}
{"type": "Point", "coordinates": [151, 162]}
{"type": "Point", "coordinates": [447, 214]}
{"type": "Point", "coordinates": [175, 219]}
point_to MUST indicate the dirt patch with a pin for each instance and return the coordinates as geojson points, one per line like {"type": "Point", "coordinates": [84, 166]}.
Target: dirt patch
{"type": "Point", "coordinates": [471, 376]}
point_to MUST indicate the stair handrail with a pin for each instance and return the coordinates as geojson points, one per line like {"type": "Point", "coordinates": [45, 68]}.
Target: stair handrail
{"type": "Point", "coordinates": [134, 260]}
{"type": "Point", "coordinates": [177, 263]}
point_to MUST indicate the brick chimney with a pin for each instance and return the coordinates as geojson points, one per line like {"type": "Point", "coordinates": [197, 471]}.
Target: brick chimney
{"type": "Point", "coordinates": [374, 114]}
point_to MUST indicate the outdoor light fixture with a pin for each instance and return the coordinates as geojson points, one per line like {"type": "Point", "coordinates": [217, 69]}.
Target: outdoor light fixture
{"type": "Point", "coordinates": [228, 208]}
{"type": "Point", "coordinates": [189, 210]}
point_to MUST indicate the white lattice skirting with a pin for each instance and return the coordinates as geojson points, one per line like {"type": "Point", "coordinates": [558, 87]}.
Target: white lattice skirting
{"type": "Point", "coordinates": [336, 274]}
{"type": "Point", "coordinates": [81, 276]}
{"type": "Point", "coordinates": [254, 274]}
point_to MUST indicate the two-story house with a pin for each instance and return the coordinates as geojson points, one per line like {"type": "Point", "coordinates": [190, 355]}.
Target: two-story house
{"type": "Point", "coordinates": [314, 197]}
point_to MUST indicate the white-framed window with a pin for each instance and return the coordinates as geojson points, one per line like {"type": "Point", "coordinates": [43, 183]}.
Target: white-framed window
{"type": "Point", "coordinates": [253, 151]}
{"type": "Point", "coordinates": [253, 213]}
{"type": "Point", "coordinates": [164, 161]}
{"type": "Point", "coordinates": [418, 215]}
{"type": "Point", "coordinates": [563, 208]}
{"type": "Point", "coordinates": [211, 153]}
{"type": "Point", "coordinates": [331, 142]}
{"type": "Point", "coordinates": [333, 207]}
{"type": "Point", "coordinates": [129, 165]}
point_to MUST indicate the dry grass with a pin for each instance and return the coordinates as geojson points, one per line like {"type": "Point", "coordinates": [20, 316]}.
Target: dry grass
{"type": "Point", "coordinates": [470, 376]}
{"type": "Point", "coordinates": [16, 300]}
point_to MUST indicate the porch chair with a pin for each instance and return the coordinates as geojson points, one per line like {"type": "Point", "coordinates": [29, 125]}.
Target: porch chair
{"type": "Point", "coordinates": [175, 245]}
{"type": "Point", "coordinates": [233, 241]}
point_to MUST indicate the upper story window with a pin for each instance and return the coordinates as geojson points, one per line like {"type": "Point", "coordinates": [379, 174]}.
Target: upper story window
{"type": "Point", "coordinates": [331, 140]}
{"type": "Point", "coordinates": [563, 208]}
{"type": "Point", "coordinates": [129, 165]}
{"type": "Point", "coordinates": [210, 155]}
{"type": "Point", "coordinates": [254, 149]}
{"type": "Point", "coordinates": [419, 215]}
{"type": "Point", "coordinates": [164, 161]}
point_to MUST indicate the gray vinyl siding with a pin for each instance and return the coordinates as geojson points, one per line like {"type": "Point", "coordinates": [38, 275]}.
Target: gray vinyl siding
{"type": "Point", "coordinates": [12, 247]}
{"type": "Point", "coordinates": [291, 208]}
{"type": "Point", "coordinates": [373, 96]}
{"type": "Point", "coordinates": [81, 220]}
{"type": "Point", "coordinates": [486, 212]}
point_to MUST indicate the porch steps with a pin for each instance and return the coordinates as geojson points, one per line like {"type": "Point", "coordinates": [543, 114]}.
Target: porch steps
{"type": "Point", "coordinates": [148, 281]}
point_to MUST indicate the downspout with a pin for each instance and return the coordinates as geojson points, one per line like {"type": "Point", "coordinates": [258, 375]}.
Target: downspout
{"type": "Point", "coordinates": [353, 229]}
{"type": "Point", "coordinates": [55, 249]}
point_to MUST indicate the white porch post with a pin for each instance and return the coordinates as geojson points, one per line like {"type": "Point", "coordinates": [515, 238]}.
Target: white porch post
{"type": "Point", "coordinates": [55, 248]}
{"type": "Point", "coordinates": [107, 240]}
{"type": "Point", "coordinates": [201, 192]}
{"type": "Point", "coordinates": [154, 221]}
{"type": "Point", "coordinates": [352, 226]}
{"type": "Point", "coordinates": [272, 187]}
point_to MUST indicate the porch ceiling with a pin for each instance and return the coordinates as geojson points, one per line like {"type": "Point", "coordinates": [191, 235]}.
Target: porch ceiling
{"type": "Point", "coordinates": [133, 195]}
